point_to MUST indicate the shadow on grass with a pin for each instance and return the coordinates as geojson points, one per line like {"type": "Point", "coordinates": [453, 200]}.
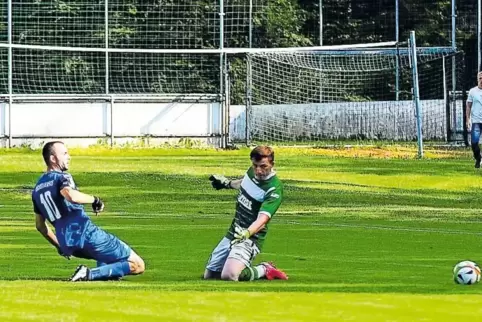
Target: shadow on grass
{"type": "Point", "coordinates": [159, 193]}
{"type": "Point", "coordinates": [129, 284]}
{"type": "Point", "coordinates": [154, 192]}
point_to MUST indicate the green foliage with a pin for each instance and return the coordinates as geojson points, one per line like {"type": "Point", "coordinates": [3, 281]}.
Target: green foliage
{"type": "Point", "coordinates": [280, 25]}
{"type": "Point", "coordinates": [191, 24]}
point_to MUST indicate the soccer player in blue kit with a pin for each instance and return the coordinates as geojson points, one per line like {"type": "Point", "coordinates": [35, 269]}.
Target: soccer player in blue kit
{"type": "Point", "coordinates": [57, 200]}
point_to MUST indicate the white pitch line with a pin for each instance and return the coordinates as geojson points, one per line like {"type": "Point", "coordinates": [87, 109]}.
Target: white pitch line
{"type": "Point", "coordinates": [425, 230]}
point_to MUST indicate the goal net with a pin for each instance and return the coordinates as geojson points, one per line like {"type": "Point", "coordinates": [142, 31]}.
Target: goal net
{"type": "Point", "coordinates": [351, 94]}
{"type": "Point", "coordinates": [55, 70]}
{"type": "Point", "coordinates": [60, 47]}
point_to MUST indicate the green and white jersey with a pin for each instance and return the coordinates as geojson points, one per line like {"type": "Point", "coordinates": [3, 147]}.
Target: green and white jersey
{"type": "Point", "coordinates": [256, 197]}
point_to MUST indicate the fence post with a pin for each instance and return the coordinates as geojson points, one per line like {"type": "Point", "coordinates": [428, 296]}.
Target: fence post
{"type": "Point", "coordinates": [397, 39]}
{"type": "Point", "coordinates": [250, 32]}
{"type": "Point", "coordinates": [10, 72]}
{"type": "Point", "coordinates": [222, 58]}
{"type": "Point", "coordinates": [479, 31]}
{"type": "Point", "coordinates": [454, 47]}
{"type": "Point", "coordinates": [249, 96]}
{"type": "Point", "coordinates": [321, 21]}
{"type": "Point", "coordinates": [106, 35]}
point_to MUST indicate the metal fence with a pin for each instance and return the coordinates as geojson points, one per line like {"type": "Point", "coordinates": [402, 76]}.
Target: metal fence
{"type": "Point", "coordinates": [176, 50]}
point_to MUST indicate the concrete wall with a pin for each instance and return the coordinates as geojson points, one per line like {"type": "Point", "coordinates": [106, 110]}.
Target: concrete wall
{"type": "Point", "coordinates": [33, 123]}
{"type": "Point", "coordinates": [85, 123]}
{"type": "Point", "coordinates": [388, 120]}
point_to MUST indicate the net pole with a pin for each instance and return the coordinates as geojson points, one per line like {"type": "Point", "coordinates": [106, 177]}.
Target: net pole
{"type": "Point", "coordinates": [111, 121]}
{"type": "Point", "coordinates": [479, 31]}
{"type": "Point", "coordinates": [107, 72]}
{"type": "Point", "coordinates": [250, 35]}
{"type": "Point", "coordinates": [454, 46]}
{"type": "Point", "coordinates": [454, 15]}
{"type": "Point", "coordinates": [221, 74]}
{"type": "Point", "coordinates": [416, 94]}
{"type": "Point", "coordinates": [444, 80]}
{"type": "Point", "coordinates": [224, 50]}
{"type": "Point", "coordinates": [248, 74]}
{"type": "Point", "coordinates": [227, 103]}
{"type": "Point", "coordinates": [249, 82]}
{"type": "Point", "coordinates": [106, 35]}
{"type": "Point", "coordinates": [448, 119]}
{"type": "Point", "coordinates": [397, 64]}
{"type": "Point", "coordinates": [321, 21]}
{"type": "Point", "coordinates": [10, 72]}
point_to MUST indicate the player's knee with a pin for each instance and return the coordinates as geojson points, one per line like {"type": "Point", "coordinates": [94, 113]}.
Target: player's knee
{"type": "Point", "coordinates": [137, 266]}
{"type": "Point", "coordinates": [141, 266]}
{"type": "Point", "coordinates": [229, 275]}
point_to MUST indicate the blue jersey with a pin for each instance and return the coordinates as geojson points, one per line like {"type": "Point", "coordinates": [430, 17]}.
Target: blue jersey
{"type": "Point", "coordinates": [76, 233]}
{"type": "Point", "coordinates": [69, 219]}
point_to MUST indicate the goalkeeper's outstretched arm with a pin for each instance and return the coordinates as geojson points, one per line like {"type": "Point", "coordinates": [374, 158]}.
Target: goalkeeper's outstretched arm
{"type": "Point", "coordinates": [235, 184]}
{"type": "Point", "coordinates": [221, 182]}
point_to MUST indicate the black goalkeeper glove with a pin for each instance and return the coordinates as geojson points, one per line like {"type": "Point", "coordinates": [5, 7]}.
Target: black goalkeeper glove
{"type": "Point", "coordinates": [220, 182]}
{"type": "Point", "coordinates": [97, 205]}
{"type": "Point", "coordinates": [62, 254]}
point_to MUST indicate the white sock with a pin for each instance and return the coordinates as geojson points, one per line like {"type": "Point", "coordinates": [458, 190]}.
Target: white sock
{"type": "Point", "coordinates": [261, 270]}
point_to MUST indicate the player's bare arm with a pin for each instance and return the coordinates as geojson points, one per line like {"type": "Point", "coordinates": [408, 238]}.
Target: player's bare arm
{"type": "Point", "coordinates": [235, 184]}
{"type": "Point", "coordinates": [44, 229]}
{"type": "Point", "coordinates": [242, 234]}
{"type": "Point", "coordinates": [258, 224]}
{"type": "Point", "coordinates": [467, 118]}
{"type": "Point", "coordinates": [76, 196]}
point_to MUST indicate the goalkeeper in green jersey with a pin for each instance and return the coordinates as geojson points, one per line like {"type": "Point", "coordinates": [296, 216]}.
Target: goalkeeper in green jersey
{"type": "Point", "coordinates": [260, 195]}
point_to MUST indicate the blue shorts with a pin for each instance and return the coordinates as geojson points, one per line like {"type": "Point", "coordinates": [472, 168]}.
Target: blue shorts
{"type": "Point", "coordinates": [475, 133]}
{"type": "Point", "coordinates": [102, 247]}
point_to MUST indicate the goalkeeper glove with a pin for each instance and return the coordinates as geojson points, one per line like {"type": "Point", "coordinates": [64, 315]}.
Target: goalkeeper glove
{"type": "Point", "coordinates": [220, 182]}
{"type": "Point", "coordinates": [240, 235]}
{"type": "Point", "coordinates": [97, 205]}
{"type": "Point", "coordinates": [62, 254]}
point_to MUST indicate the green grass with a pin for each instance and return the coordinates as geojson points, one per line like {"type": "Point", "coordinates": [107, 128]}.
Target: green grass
{"type": "Point", "coordinates": [362, 239]}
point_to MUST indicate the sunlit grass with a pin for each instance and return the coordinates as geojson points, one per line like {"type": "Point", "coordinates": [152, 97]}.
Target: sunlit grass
{"type": "Point", "coordinates": [362, 238]}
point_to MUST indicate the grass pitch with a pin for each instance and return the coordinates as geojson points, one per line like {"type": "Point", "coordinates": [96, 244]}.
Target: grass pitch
{"type": "Point", "coordinates": [364, 236]}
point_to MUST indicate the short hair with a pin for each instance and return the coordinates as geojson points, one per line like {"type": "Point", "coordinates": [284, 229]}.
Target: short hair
{"type": "Point", "coordinates": [48, 150]}
{"type": "Point", "coordinates": [262, 151]}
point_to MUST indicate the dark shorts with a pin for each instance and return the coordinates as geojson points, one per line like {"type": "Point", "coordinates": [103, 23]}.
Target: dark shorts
{"type": "Point", "coordinates": [101, 246]}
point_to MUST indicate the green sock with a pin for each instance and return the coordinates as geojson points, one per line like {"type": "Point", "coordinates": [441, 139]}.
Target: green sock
{"type": "Point", "coordinates": [252, 273]}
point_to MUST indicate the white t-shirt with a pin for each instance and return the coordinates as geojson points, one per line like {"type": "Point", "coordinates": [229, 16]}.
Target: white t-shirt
{"type": "Point", "coordinates": [475, 96]}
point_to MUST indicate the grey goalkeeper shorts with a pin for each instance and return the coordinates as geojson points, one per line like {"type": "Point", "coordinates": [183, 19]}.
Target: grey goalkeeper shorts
{"type": "Point", "coordinates": [245, 252]}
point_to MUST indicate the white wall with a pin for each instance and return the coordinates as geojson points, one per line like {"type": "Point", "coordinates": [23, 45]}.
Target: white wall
{"type": "Point", "coordinates": [392, 120]}
{"type": "Point", "coordinates": [3, 119]}
{"type": "Point", "coordinates": [51, 120]}
{"type": "Point", "coordinates": [167, 119]}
